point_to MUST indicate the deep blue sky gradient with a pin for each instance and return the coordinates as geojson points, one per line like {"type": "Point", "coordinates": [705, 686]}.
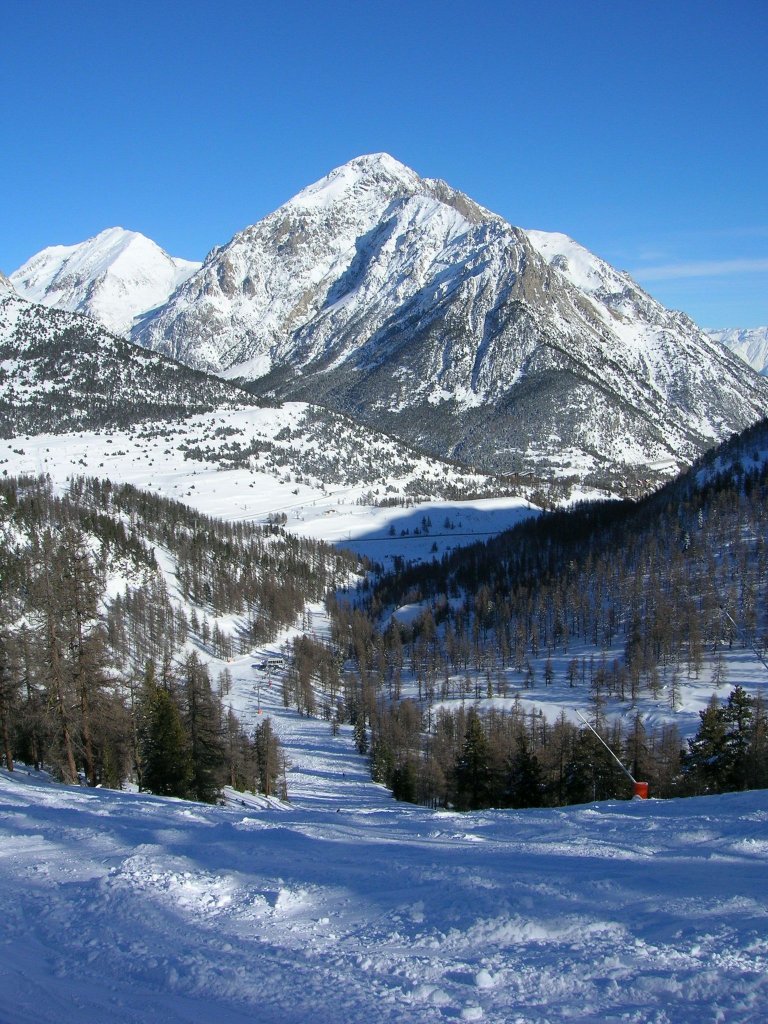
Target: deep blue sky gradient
{"type": "Point", "coordinates": [638, 128]}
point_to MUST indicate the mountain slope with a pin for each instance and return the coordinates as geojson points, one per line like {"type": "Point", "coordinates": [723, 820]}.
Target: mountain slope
{"type": "Point", "coordinates": [403, 303]}
{"type": "Point", "coordinates": [62, 371]}
{"type": "Point", "coordinates": [126, 905]}
{"type": "Point", "coordinates": [750, 344]}
{"type": "Point", "coordinates": [113, 277]}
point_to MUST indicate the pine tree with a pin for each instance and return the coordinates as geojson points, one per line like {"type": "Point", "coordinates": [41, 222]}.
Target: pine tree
{"type": "Point", "coordinates": [8, 700]}
{"type": "Point", "coordinates": [738, 716]}
{"type": "Point", "coordinates": [524, 785]}
{"type": "Point", "coordinates": [203, 721]}
{"type": "Point", "coordinates": [54, 664]}
{"type": "Point", "coordinates": [405, 780]}
{"type": "Point", "coordinates": [472, 772]}
{"type": "Point", "coordinates": [165, 755]}
{"type": "Point", "coordinates": [268, 757]}
{"type": "Point", "coordinates": [705, 762]}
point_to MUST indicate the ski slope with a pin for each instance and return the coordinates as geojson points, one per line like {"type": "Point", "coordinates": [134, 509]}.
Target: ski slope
{"type": "Point", "coordinates": [344, 906]}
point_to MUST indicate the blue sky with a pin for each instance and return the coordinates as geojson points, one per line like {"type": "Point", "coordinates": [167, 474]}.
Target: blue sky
{"type": "Point", "coordinates": [638, 128]}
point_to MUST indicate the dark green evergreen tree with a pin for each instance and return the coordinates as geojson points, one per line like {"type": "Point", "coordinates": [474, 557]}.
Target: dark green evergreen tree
{"type": "Point", "coordinates": [706, 761]}
{"type": "Point", "coordinates": [203, 721]}
{"type": "Point", "coordinates": [165, 755]}
{"type": "Point", "coordinates": [405, 781]}
{"type": "Point", "coordinates": [473, 773]}
{"type": "Point", "coordinates": [738, 716]}
{"type": "Point", "coordinates": [524, 778]}
{"type": "Point", "coordinates": [8, 701]}
{"type": "Point", "coordinates": [268, 757]}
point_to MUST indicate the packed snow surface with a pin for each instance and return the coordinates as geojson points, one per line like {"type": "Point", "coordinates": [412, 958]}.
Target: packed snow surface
{"type": "Point", "coordinates": [345, 907]}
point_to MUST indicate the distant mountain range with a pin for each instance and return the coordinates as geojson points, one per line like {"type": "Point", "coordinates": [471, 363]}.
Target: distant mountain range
{"type": "Point", "coordinates": [749, 344]}
{"type": "Point", "coordinates": [62, 371]}
{"type": "Point", "coordinates": [401, 302]}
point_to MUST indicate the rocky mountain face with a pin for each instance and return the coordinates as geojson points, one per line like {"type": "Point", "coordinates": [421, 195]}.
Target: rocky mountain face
{"type": "Point", "coordinates": [750, 344]}
{"type": "Point", "coordinates": [400, 301]}
{"type": "Point", "coordinates": [113, 277]}
{"type": "Point", "coordinates": [61, 371]}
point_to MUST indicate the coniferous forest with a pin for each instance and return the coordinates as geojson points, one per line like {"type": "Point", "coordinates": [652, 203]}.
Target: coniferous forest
{"type": "Point", "coordinates": [113, 599]}
{"type": "Point", "coordinates": [102, 677]}
{"type": "Point", "coordinates": [620, 601]}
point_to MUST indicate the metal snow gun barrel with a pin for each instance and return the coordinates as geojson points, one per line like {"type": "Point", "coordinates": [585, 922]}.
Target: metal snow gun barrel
{"type": "Point", "coordinates": [639, 789]}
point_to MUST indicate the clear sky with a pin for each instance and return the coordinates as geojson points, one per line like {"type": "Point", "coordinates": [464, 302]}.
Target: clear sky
{"type": "Point", "coordinates": [639, 128]}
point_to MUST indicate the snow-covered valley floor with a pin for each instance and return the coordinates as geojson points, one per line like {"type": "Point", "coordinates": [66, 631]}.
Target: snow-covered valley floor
{"type": "Point", "coordinates": [347, 907]}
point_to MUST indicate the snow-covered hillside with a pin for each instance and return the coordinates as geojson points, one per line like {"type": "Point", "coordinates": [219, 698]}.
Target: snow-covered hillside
{"type": "Point", "coordinates": [750, 344]}
{"type": "Point", "coordinates": [114, 277]}
{"type": "Point", "coordinates": [252, 464]}
{"type": "Point", "coordinates": [62, 370]}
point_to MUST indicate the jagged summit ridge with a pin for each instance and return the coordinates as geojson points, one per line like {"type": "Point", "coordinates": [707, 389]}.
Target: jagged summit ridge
{"type": "Point", "coordinates": [400, 301]}
{"type": "Point", "coordinates": [113, 277]}
{"type": "Point", "coordinates": [239, 313]}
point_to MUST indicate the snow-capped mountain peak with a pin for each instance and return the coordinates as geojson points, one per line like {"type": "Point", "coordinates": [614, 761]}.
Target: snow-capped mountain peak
{"type": "Point", "coordinates": [356, 176]}
{"type": "Point", "coordinates": [114, 277]}
{"type": "Point", "coordinates": [400, 301]}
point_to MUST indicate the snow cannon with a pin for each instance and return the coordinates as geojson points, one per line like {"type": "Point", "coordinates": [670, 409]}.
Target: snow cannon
{"type": "Point", "coordinates": [639, 789]}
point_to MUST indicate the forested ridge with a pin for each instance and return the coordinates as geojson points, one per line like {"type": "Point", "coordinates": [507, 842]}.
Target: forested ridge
{"type": "Point", "coordinates": [102, 660]}
{"type": "Point", "coordinates": [621, 601]}
{"type": "Point", "coordinates": [63, 372]}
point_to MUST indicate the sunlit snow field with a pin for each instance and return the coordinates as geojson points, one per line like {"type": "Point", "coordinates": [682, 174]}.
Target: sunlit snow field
{"type": "Point", "coordinates": [346, 907]}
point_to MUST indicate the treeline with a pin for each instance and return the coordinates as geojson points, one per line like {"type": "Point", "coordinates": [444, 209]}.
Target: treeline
{"type": "Point", "coordinates": [105, 687]}
{"type": "Point", "coordinates": [469, 760]}
{"type": "Point", "coordinates": [261, 574]}
{"type": "Point", "coordinates": [621, 601]}
{"type": "Point", "coordinates": [188, 746]}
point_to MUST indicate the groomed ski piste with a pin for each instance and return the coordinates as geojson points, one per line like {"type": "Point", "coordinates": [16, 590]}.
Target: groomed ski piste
{"type": "Point", "coordinates": [343, 906]}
